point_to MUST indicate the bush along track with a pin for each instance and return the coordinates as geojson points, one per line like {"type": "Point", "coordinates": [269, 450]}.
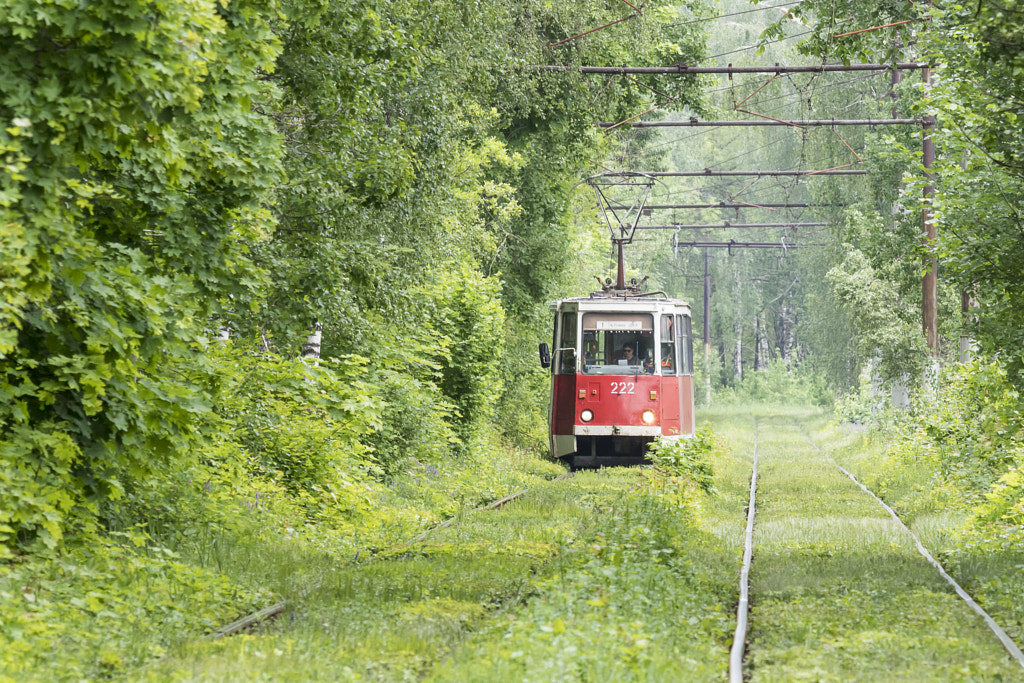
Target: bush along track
{"type": "Point", "coordinates": [607, 574]}
{"type": "Point", "coordinates": [839, 590]}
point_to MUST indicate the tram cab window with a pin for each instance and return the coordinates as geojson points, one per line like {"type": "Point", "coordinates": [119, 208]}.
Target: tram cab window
{"type": "Point", "coordinates": [567, 345]}
{"type": "Point", "coordinates": [669, 361]}
{"type": "Point", "coordinates": [618, 343]}
{"type": "Point", "coordinates": [684, 341]}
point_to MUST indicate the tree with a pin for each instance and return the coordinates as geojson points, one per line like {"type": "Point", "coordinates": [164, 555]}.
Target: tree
{"type": "Point", "coordinates": [135, 174]}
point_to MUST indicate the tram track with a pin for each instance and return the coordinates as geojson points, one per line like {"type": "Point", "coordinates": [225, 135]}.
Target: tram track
{"type": "Point", "coordinates": [803, 576]}
{"type": "Point", "coordinates": [807, 591]}
{"type": "Point", "coordinates": [1004, 638]}
{"type": "Point", "coordinates": [269, 613]}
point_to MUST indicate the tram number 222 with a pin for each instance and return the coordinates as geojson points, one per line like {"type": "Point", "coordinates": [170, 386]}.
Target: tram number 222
{"type": "Point", "coordinates": [623, 387]}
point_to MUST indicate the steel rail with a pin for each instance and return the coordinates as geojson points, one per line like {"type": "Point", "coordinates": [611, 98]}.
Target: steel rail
{"type": "Point", "coordinates": [1011, 647]}
{"type": "Point", "coordinates": [682, 69]}
{"type": "Point", "coordinates": [728, 225]}
{"type": "Point", "coordinates": [275, 609]}
{"type": "Point", "coordinates": [695, 123]}
{"type": "Point", "coordinates": [740, 637]}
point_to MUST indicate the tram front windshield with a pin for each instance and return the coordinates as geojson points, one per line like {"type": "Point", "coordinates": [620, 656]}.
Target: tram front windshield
{"type": "Point", "coordinates": [618, 343]}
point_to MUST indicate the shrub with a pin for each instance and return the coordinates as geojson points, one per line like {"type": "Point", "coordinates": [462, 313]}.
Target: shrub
{"type": "Point", "coordinates": [691, 458]}
{"type": "Point", "coordinates": [1004, 504]}
{"type": "Point", "coordinates": [472, 317]}
{"type": "Point", "coordinates": [779, 385]}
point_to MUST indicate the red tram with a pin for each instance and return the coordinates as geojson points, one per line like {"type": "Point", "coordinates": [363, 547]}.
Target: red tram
{"type": "Point", "coordinates": [622, 374]}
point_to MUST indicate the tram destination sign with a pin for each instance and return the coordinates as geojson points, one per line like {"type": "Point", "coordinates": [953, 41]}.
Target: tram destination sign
{"type": "Point", "coordinates": [620, 325]}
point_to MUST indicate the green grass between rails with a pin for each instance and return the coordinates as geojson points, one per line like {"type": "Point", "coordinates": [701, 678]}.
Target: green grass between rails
{"type": "Point", "coordinates": [649, 598]}
{"type": "Point", "coordinates": [606, 575]}
{"type": "Point", "coordinates": [617, 575]}
{"type": "Point", "coordinates": [839, 593]}
{"type": "Point", "coordinates": [114, 604]}
{"type": "Point", "coordinates": [990, 569]}
{"type": "Point", "coordinates": [391, 617]}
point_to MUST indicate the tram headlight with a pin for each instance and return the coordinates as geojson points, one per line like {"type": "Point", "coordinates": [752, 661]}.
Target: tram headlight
{"type": "Point", "coordinates": [587, 415]}
{"type": "Point", "coordinates": [648, 417]}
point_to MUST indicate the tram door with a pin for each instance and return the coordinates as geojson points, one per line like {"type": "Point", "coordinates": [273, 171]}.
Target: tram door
{"type": "Point", "coordinates": [563, 399]}
{"type": "Point", "coordinates": [684, 349]}
{"type": "Point", "coordinates": [671, 384]}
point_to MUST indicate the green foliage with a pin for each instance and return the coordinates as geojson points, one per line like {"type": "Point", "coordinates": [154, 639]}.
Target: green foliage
{"type": "Point", "coordinates": [301, 423]}
{"type": "Point", "coordinates": [1005, 502]}
{"type": "Point", "coordinates": [690, 458]}
{"type": "Point", "coordinates": [777, 385]}
{"type": "Point", "coordinates": [416, 423]}
{"type": "Point", "coordinates": [389, 170]}
{"type": "Point", "coordinates": [284, 447]}
{"type": "Point", "coordinates": [973, 427]}
{"type": "Point", "coordinates": [522, 412]}
{"type": "Point", "coordinates": [866, 405]}
{"type": "Point", "coordinates": [969, 439]}
{"type": "Point", "coordinates": [103, 609]}
{"type": "Point", "coordinates": [885, 321]}
{"type": "Point", "coordinates": [976, 98]}
{"type": "Point", "coordinates": [135, 172]}
{"type": "Point", "coordinates": [471, 317]}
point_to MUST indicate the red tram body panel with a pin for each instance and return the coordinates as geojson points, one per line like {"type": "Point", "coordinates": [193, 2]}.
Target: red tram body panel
{"type": "Point", "coordinates": [622, 375]}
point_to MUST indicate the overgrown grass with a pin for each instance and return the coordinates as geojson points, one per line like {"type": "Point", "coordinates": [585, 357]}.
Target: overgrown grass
{"type": "Point", "coordinates": [613, 556]}
{"type": "Point", "coordinates": [110, 605]}
{"type": "Point", "coordinates": [102, 609]}
{"type": "Point", "coordinates": [393, 615]}
{"type": "Point", "coordinates": [987, 562]}
{"type": "Point", "coordinates": [647, 598]}
{"type": "Point", "coordinates": [838, 592]}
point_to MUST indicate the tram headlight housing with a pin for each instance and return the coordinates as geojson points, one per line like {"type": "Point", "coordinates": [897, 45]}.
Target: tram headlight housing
{"type": "Point", "coordinates": [587, 415]}
{"type": "Point", "coordinates": [647, 417]}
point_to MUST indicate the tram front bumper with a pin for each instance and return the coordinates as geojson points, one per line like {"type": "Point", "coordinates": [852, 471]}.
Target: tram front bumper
{"type": "Point", "coordinates": [615, 430]}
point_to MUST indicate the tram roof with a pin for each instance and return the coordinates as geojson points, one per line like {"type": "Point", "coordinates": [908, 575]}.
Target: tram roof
{"type": "Point", "coordinates": [601, 302]}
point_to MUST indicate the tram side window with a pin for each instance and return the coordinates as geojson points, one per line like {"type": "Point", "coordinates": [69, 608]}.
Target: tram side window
{"type": "Point", "coordinates": [684, 340]}
{"type": "Point", "coordinates": [567, 345]}
{"type": "Point", "coordinates": [669, 363]}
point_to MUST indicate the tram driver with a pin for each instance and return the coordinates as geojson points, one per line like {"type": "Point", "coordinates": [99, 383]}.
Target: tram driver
{"type": "Point", "coordinates": [629, 356]}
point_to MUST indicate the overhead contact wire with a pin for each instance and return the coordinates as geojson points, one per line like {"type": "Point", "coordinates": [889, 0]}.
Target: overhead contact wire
{"type": "Point", "coordinates": [639, 12]}
{"type": "Point", "coordinates": [734, 14]}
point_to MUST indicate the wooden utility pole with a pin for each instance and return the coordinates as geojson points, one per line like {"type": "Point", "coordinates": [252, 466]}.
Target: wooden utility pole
{"type": "Point", "coordinates": [929, 285]}
{"type": "Point", "coordinates": [707, 327]}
